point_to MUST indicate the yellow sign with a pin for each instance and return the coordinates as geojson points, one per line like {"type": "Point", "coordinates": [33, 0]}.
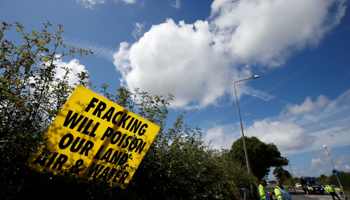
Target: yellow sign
{"type": "Point", "coordinates": [96, 138]}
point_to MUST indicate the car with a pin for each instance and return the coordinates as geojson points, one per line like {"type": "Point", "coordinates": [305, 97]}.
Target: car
{"type": "Point", "coordinates": [297, 185]}
{"type": "Point", "coordinates": [311, 185]}
{"type": "Point", "coordinates": [337, 188]}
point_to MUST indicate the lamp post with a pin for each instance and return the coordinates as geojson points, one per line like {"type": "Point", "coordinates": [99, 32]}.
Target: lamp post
{"type": "Point", "coordinates": [325, 146]}
{"type": "Point", "coordinates": [240, 120]}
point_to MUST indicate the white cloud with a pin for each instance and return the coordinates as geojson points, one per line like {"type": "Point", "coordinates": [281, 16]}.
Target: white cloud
{"type": "Point", "coordinates": [286, 136]}
{"type": "Point", "coordinates": [99, 50]}
{"type": "Point", "coordinates": [315, 162]}
{"type": "Point", "coordinates": [220, 136]}
{"type": "Point", "coordinates": [342, 163]}
{"type": "Point", "coordinates": [176, 59]}
{"type": "Point", "coordinates": [267, 32]}
{"type": "Point", "coordinates": [122, 61]}
{"type": "Point", "coordinates": [347, 168]}
{"type": "Point", "coordinates": [138, 30]}
{"type": "Point", "coordinates": [327, 124]}
{"type": "Point", "coordinates": [176, 4]}
{"type": "Point", "coordinates": [308, 105]}
{"type": "Point", "coordinates": [127, 1]}
{"type": "Point", "coordinates": [331, 136]}
{"type": "Point", "coordinates": [90, 3]}
{"type": "Point", "coordinates": [318, 162]}
{"type": "Point", "coordinates": [307, 171]}
{"type": "Point", "coordinates": [343, 159]}
{"type": "Point", "coordinates": [258, 93]}
{"type": "Point", "coordinates": [291, 134]}
{"type": "Point", "coordinates": [198, 63]}
{"type": "Point", "coordinates": [74, 68]}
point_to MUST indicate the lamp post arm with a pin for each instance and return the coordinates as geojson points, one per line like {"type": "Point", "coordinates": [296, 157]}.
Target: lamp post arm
{"type": "Point", "coordinates": [243, 80]}
{"type": "Point", "coordinates": [329, 157]}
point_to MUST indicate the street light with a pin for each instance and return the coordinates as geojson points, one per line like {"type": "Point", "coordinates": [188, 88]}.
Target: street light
{"type": "Point", "coordinates": [240, 120]}
{"type": "Point", "coordinates": [325, 146]}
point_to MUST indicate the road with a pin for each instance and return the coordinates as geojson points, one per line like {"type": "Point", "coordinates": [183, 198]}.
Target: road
{"type": "Point", "coordinates": [300, 195]}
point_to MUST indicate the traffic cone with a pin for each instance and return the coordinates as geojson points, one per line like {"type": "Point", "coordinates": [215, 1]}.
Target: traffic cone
{"type": "Point", "coordinates": [308, 193]}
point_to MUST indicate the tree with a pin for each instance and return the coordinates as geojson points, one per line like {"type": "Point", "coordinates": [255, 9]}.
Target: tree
{"type": "Point", "coordinates": [281, 173]}
{"type": "Point", "coordinates": [261, 156]}
{"type": "Point", "coordinates": [30, 96]}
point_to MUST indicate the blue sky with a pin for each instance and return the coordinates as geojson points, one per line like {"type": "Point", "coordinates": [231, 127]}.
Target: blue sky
{"type": "Point", "coordinates": [196, 49]}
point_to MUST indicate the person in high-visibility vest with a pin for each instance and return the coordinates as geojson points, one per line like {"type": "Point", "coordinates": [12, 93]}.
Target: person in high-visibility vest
{"type": "Point", "coordinates": [281, 192]}
{"type": "Point", "coordinates": [331, 190]}
{"type": "Point", "coordinates": [263, 193]}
